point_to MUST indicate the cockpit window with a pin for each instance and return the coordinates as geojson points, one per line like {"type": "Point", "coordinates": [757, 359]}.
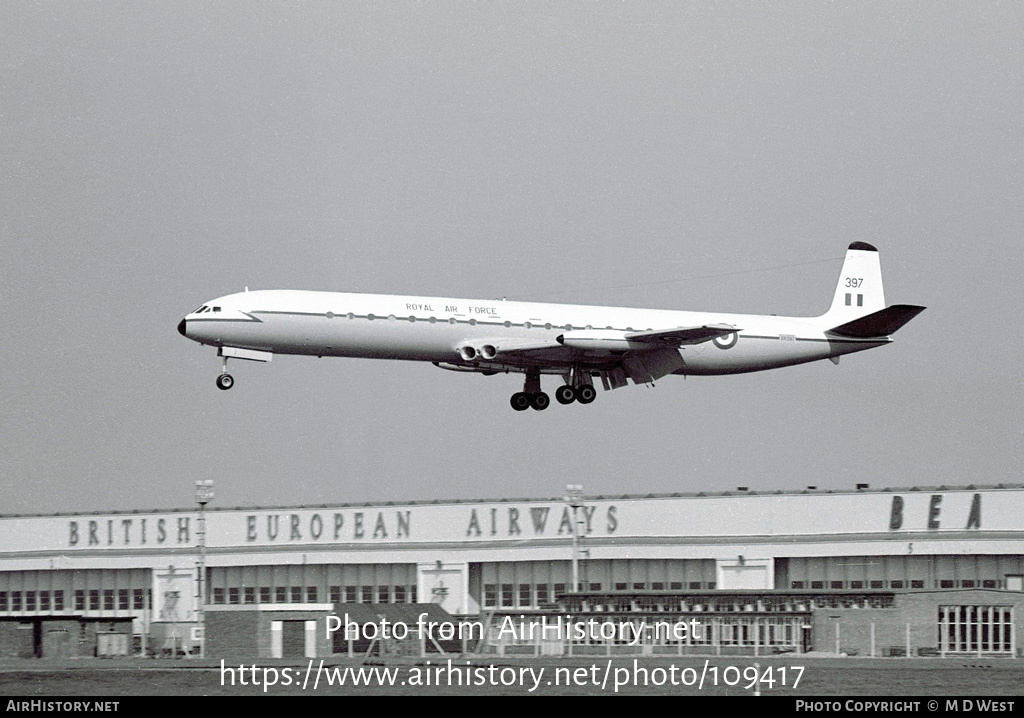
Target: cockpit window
{"type": "Point", "coordinates": [216, 309]}
{"type": "Point", "coordinates": [199, 309]}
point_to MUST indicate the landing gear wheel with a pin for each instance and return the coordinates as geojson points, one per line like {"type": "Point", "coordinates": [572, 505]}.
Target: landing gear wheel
{"type": "Point", "coordinates": [225, 381]}
{"type": "Point", "coordinates": [586, 394]}
{"type": "Point", "coordinates": [540, 401]}
{"type": "Point", "coordinates": [520, 401]}
{"type": "Point", "coordinates": [565, 394]}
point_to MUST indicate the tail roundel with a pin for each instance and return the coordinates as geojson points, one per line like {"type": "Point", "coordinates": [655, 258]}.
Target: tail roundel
{"type": "Point", "coordinates": [859, 291]}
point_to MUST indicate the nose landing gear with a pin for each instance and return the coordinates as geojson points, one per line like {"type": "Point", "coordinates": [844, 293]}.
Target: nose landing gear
{"type": "Point", "coordinates": [225, 381]}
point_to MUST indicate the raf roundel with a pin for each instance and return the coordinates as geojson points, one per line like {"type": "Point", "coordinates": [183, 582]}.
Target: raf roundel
{"type": "Point", "coordinates": [727, 341]}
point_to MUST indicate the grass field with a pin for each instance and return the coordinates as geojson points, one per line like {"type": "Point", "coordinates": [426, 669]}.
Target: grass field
{"type": "Point", "coordinates": [820, 677]}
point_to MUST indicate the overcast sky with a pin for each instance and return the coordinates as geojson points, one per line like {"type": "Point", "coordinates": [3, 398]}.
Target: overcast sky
{"type": "Point", "coordinates": [705, 156]}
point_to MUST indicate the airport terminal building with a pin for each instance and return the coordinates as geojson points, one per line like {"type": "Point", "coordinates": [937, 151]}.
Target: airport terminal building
{"type": "Point", "coordinates": [921, 571]}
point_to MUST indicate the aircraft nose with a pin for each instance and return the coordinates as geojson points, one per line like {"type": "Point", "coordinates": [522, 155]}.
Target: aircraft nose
{"type": "Point", "coordinates": [181, 328]}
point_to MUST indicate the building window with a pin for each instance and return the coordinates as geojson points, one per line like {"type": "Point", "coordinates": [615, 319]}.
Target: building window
{"type": "Point", "coordinates": [108, 599]}
{"type": "Point", "coordinates": [138, 599]}
{"type": "Point", "coordinates": [967, 584]}
{"type": "Point", "coordinates": [711, 585]}
{"type": "Point", "coordinates": [58, 600]}
{"type": "Point", "coordinates": [856, 584]}
{"type": "Point", "coordinates": [917, 584]}
{"type": "Point", "coordinates": [975, 629]}
{"type": "Point", "coordinates": [233, 595]}
{"type": "Point", "coordinates": [542, 593]}
{"type": "Point", "coordinates": [559, 589]}
{"type": "Point", "coordinates": [506, 594]}
{"type": "Point", "coordinates": [524, 594]}
{"type": "Point", "coordinates": [249, 595]}
{"type": "Point", "coordinates": [218, 595]}
{"type": "Point", "coordinates": [122, 599]}
{"type": "Point", "coordinates": [30, 600]}
{"type": "Point", "coordinates": [797, 584]}
{"type": "Point", "coordinates": [947, 583]}
{"type": "Point", "coordinates": [383, 594]}
{"type": "Point", "coordinates": [296, 594]}
{"type": "Point", "coordinates": [657, 586]}
{"type": "Point", "coordinates": [44, 600]}
{"type": "Point", "coordinates": [639, 586]}
{"type": "Point", "coordinates": [79, 599]}
{"type": "Point", "coordinates": [280, 594]}
{"type": "Point", "coordinates": [817, 584]}
{"type": "Point", "coordinates": [350, 594]}
{"type": "Point", "coordinates": [15, 600]}
{"type": "Point", "coordinates": [836, 584]}
{"type": "Point", "coordinates": [412, 594]}
{"type": "Point", "coordinates": [490, 595]}
{"type": "Point", "coordinates": [399, 594]}
{"type": "Point", "coordinates": [3, 600]}
{"type": "Point", "coordinates": [311, 594]}
{"type": "Point", "coordinates": [366, 594]}
{"type": "Point", "coordinates": [675, 586]}
{"type": "Point", "coordinates": [335, 594]}
{"type": "Point", "coordinates": [595, 587]}
{"type": "Point", "coordinates": [896, 584]}
{"type": "Point", "coordinates": [694, 585]}
{"type": "Point", "coordinates": [264, 594]}
{"type": "Point", "coordinates": [878, 584]}
{"type": "Point", "coordinates": [988, 583]}
{"type": "Point", "coordinates": [94, 599]}
{"type": "Point", "coordinates": [620, 586]}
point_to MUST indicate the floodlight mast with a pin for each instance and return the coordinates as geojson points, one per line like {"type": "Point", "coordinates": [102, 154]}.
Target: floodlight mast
{"type": "Point", "coordinates": [574, 498]}
{"type": "Point", "coordinates": [204, 494]}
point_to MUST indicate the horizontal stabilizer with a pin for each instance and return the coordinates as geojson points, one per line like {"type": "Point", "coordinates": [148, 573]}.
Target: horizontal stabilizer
{"type": "Point", "coordinates": [878, 324]}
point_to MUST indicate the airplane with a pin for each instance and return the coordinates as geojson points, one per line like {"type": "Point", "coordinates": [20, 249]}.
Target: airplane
{"type": "Point", "coordinates": [575, 342]}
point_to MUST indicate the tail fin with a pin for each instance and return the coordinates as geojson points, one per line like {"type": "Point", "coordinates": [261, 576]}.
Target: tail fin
{"type": "Point", "coordinates": [859, 291]}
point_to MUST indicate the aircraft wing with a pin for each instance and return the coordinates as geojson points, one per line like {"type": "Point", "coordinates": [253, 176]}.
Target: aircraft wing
{"type": "Point", "coordinates": [681, 335]}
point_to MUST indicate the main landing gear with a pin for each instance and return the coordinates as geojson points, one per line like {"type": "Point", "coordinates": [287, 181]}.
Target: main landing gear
{"type": "Point", "coordinates": [531, 395]}
{"type": "Point", "coordinates": [579, 389]}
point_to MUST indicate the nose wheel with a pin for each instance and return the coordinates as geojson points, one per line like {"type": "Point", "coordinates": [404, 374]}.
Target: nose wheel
{"type": "Point", "coordinates": [225, 381]}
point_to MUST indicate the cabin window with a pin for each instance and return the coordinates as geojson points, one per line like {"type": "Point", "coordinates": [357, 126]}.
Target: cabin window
{"type": "Point", "coordinates": [472, 322]}
{"type": "Point", "coordinates": [412, 318]}
{"type": "Point", "coordinates": [370, 317]}
{"type": "Point", "coordinates": [508, 324]}
{"type": "Point", "coordinates": [547, 325]}
{"type": "Point", "coordinates": [528, 325]}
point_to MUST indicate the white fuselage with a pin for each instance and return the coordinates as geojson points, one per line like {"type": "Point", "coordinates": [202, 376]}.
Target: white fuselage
{"type": "Point", "coordinates": [433, 329]}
